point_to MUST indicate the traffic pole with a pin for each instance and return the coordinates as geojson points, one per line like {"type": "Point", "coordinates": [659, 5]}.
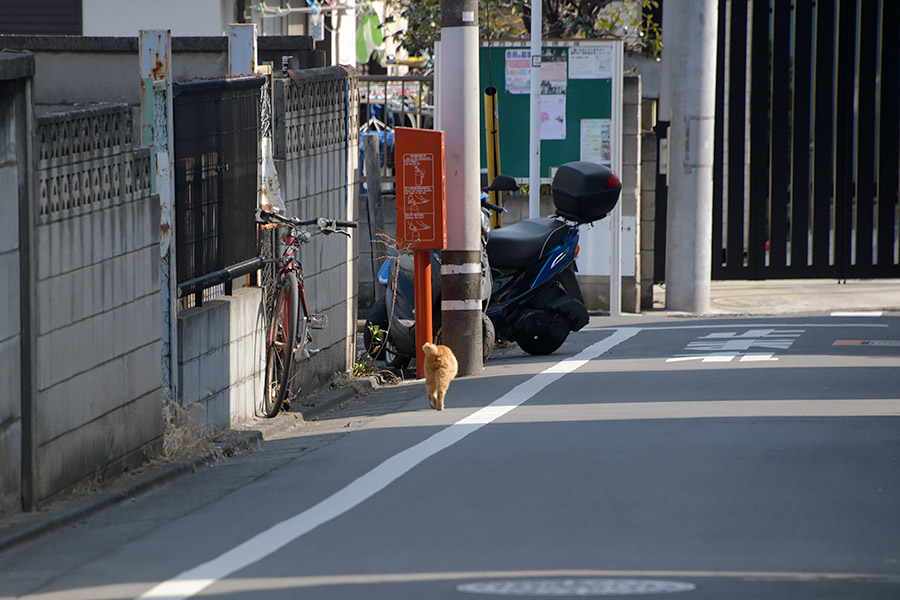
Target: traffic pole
{"type": "Point", "coordinates": [461, 261]}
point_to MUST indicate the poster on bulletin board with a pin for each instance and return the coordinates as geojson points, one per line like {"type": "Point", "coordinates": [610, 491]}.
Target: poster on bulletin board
{"type": "Point", "coordinates": [580, 103]}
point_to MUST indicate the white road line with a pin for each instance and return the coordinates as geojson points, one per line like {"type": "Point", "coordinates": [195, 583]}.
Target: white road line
{"type": "Point", "coordinates": [652, 327]}
{"type": "Point", "coordinates": [194, 581]}
{"type": "Point", "coordinates": [865, 313]}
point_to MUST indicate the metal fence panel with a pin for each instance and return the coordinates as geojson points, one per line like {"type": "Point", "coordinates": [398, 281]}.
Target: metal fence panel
{"type": "Point", "coordinates": [216, 156]}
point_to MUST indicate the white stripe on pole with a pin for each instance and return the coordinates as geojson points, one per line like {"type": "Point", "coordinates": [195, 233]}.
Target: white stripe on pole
{"type": "Point", "coordinates": [467, 268]}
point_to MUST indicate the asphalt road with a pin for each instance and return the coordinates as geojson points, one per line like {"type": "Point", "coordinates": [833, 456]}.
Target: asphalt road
{"type": "Point", "coordinates": [717, 458]}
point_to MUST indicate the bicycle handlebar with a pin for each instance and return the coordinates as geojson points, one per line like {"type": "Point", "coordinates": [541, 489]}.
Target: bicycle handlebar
{"type": "Point", "coordinates": [326, 226]}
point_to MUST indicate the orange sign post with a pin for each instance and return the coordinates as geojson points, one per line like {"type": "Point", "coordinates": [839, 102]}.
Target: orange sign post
{"type": "Point", "coordinates": [421, 215]}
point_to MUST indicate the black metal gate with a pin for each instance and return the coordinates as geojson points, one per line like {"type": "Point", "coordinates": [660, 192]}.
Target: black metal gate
{"type": "Point", "coordinates": [216, 154]}
{"type": "Point", "coordinates": [807, 139]}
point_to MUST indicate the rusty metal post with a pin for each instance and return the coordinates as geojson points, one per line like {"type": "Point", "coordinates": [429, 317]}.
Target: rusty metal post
{"type": "Point", "coordinates": [241, 49]}
{"type": "Point", "coordinates": [157, 132]}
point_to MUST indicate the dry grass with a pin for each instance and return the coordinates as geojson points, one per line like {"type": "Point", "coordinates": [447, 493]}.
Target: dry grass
{"type": "Point", "coordinates": [185, 436]}
{"type": "Point", "coordinates": [88, 486]}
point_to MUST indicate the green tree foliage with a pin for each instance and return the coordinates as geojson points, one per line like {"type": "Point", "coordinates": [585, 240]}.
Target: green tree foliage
{"type": "Point", "coordinates": [511, 19]}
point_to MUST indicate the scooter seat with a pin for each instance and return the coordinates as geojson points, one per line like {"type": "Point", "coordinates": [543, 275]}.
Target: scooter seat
{"type": "Point", "coordinates": [523, 243]}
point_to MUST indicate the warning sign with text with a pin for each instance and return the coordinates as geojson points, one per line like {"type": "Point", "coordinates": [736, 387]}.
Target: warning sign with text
{"type": "Point", "coordinates": [421, 214]}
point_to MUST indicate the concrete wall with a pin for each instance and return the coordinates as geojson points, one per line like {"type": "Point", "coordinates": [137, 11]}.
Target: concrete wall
{"type": "Point", "coordinates": [221, 344]}
{"type": "Point", "coordinates": [221, 357]}
{"type": "Point", "coordinates": [648, 200]}
{"type": "Point", "coordinates": [98, 366]}
{"type": "Point", "coordinates": [316, 154]}
{"type": "Point", "coordinates": [15, 74]}
{"type": "Point", "coordinates": [126, 17]}
{"type": "Point", "coordinates": [93, 403]}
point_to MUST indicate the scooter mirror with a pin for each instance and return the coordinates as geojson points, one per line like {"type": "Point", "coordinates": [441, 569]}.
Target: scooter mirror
{"type": "Point", "coordinates": [503, 183]}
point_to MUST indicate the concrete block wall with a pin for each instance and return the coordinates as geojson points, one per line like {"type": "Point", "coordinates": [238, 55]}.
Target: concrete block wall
{"type": "Point", "coordinates": [221, 357]}
{"type": "Point", "coordinates": [15, 73]}
{"type": "Point", "coordinates": [98, 352]}
{"type": "Point", "coordinates": [316, 152]}
{"type": "Point", "coordinates": [648, 199]}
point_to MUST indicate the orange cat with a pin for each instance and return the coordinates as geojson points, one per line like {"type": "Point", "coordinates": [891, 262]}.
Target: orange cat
{"type": "Point", "coordinates": [440, 368]}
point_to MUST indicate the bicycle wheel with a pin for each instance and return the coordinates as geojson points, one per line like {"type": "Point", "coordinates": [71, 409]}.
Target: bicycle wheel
{"type": "Point", "coordinates": [280, 346]}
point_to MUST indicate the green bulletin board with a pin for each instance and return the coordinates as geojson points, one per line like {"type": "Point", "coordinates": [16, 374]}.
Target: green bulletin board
{"type": "Point", "coordinates": [588, 93]}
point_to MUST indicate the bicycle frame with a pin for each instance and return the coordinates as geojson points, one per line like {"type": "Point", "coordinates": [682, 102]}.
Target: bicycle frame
{"type": "Point", "coordinates": [291, 264]}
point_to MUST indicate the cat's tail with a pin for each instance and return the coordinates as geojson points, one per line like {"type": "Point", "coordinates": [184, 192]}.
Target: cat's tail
{"type": "Point", "coordinates": [429, 348]}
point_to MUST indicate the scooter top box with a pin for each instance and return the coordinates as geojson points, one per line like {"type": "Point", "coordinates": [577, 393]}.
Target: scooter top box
{"type": "Point", "coordinates": [584, 191]}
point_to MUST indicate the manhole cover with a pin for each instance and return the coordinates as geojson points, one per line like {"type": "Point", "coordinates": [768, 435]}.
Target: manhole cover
{"type": "Point", "coordinates": [575, 587]}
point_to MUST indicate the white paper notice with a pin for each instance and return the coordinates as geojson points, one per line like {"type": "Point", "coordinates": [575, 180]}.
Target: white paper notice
{"type": "Point", "coordinates": [591, 62]}
{"type": "Point", "coordinates": [553, 117]}
{"type": "Point", "coordinates": [596, 141]}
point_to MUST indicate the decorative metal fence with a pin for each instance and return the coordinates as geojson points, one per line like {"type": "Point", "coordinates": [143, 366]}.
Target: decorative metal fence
{"type": "Point", "coordinates": [216, 155]}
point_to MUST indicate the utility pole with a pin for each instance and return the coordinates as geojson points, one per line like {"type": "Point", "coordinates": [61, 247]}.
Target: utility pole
{"type": "Point", "coordinates": [459, 101]}
{"type": "Point", "coordinates": [690, 63]}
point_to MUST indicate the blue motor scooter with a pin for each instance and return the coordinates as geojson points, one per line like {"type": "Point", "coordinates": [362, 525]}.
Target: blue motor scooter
{"type": "Point", "coordinates": [536, 300]}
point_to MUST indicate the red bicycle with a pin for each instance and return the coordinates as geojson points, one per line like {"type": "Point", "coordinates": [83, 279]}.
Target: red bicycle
{"type": "Point", "coordinates": [290, 322]}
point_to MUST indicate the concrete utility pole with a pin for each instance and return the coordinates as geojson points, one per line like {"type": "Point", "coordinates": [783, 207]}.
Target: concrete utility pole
{"type": "Point", "coordinates": [690, 64]}
{"type": "Point", "coordinates": [461, 269]}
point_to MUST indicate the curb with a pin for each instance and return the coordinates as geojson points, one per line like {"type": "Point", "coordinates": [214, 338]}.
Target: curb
{"type": "Point", "coordinates": [23, 527]}
{"type": "Point", "coordinates": [324, 401]}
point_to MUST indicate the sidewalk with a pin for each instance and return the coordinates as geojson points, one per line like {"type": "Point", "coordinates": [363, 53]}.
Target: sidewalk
{"type": "Point", "coordinates": [797, 296]}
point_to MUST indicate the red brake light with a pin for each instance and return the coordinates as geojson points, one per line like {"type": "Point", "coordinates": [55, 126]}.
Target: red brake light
{"type": "Point", "coordinates": [613, 181]}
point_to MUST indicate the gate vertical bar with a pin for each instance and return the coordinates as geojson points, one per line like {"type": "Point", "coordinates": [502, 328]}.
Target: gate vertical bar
{"type": "Point", "coordinates": [823, 168]}
{"type": "Point", "coordinates": [155, 51]}
{"type": "Point", "coordinates": [718, 191]}
{"type": "Point", "coordinates": [779, 155]}
{"type": "Point", "coordinates": [843, 139]}
{"type": "Point", "coordinates": [888, 138]}
{"type": "Point", "coordinates": [737, 131]}
{"type": "Point", "coordinates": [865, 137]}
{"type": "Point", "coordinates": [800, 180]}
{"type": "Point", "coordinates": [759, 138]}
